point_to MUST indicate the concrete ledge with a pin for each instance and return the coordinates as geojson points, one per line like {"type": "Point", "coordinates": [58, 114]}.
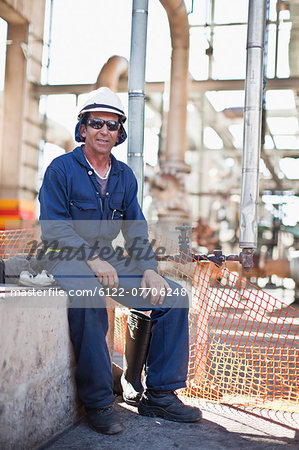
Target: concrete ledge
{"type": "Point", "coordinates": [37, 388]}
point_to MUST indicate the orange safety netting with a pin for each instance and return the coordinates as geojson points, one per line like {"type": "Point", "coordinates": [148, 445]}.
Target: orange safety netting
{"type": "Point", "coordinates": [243, 342]}
{"type": "Point", "coordinates": [19, 242]}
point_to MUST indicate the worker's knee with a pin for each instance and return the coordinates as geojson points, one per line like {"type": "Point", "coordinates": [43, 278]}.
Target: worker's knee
{"type": "Point", "coordinates": [178, 296]}
{"type": "Point", "coordinates": [88, 318]}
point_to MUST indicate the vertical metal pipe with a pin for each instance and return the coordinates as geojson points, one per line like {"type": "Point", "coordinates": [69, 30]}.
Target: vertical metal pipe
{"type": "Point", "coordinates": [136, 89]}
{"type": "Point", "coordinates": [276, 37]}
{"type": "Point", "coordinates": [252, 123]}
{"type": "Point", "coordinates": [211, 41]}
{"type": "Point", "coordinates": [178, 98]}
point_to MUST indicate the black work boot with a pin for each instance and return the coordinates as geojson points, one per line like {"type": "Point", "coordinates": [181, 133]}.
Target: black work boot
{"type": "Point", "coordinates": [138, 334]}
{"type": "Point", "coordinates": [116, 374]}
{"type": "Point", "coordinates": [167, 405]}
{"type": "Point", "coordinates": [104, 420]}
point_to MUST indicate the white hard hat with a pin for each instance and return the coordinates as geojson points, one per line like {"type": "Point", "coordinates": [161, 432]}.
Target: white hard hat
{"type": "Point", "coordinates": [103, 99]}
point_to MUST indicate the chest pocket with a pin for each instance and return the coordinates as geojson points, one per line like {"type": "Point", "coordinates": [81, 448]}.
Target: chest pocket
{"type": "Point", "coordinates": [86, 215]}
{"type": "Point", "coordinates": [84, 210]}
{"type": "Point", "coordinates": [116, 207]}
{"type": "Point", "coordinates": [116, 212]}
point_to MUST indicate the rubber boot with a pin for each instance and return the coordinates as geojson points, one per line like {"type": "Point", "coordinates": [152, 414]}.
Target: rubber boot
{"type": "Point", "coordinates": [138, 334]}
{"type": "Point", "coordinates": [116, 374]}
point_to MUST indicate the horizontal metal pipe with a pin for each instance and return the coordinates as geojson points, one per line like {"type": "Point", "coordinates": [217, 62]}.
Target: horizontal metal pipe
{"type": "Point", "coordinates": [195, 86]}
{"type": "Point", "coordinates": [279, 267]}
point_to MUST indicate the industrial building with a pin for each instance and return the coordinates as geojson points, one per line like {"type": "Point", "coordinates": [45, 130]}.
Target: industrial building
{"type": "Point", "coordinates": [211, 90]}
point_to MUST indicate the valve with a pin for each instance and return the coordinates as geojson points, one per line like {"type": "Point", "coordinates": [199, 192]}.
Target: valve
{"type": "Point", "coordinates": [186, 255]}
{"type": "Point", "coordinates": [246, 258]}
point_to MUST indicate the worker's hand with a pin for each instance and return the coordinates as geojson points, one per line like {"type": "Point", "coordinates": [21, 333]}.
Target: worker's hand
{"type": "Point", "coordinates": [105, 273]}
{"type": "Point", "coordinates": [157, 286]}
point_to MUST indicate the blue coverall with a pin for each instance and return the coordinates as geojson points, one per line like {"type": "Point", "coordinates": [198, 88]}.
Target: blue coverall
{"type": "Point", "coordinates": [73, 213]}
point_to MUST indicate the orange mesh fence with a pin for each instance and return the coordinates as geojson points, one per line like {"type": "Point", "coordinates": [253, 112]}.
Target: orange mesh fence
{"type": "Point", "coordinates": [18, 242]}
{"type": "Point", "coordinates": [120, 329]}
{"type": "Point", "coordinates": [243, 342]}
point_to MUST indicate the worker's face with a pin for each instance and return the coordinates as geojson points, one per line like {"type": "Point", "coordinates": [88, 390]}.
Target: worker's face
{"type": "Point", "coordinates": [100, 141]}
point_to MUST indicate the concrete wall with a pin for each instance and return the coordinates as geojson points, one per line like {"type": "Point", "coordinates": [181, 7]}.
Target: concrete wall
{"type": "Point", "coordinates": [37, 390]}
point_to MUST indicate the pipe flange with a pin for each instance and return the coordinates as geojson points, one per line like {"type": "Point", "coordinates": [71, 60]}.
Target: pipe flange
{"type": "Point", "coordinates": [168, 189]}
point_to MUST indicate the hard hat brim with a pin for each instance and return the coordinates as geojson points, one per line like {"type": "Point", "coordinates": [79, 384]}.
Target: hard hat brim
{"type": "Point", "coordinates": [109, 109]}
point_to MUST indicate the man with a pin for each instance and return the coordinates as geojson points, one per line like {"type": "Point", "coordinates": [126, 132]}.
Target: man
{"type": "Point", "coordinates": [86, 198]}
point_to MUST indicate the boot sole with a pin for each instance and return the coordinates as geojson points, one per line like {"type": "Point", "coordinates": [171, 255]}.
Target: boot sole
{"type": "Point", "coordinates": [105, 430]}
{"type": "Point", "coordinates": [131, 402]}
{"type": "Point", "coordinates": [155, 411]}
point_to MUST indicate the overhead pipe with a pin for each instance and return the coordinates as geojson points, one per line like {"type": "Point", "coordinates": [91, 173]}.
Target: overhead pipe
{"type": "Point", "coordinates": [252, 129]}
{"type": "Point", "coordinates": [169, 188]}
{"type": "Point", "coordinates": [113, 70]}
{"type": "Point", "coordinates": [136, 91]}
{"type": "Point", "coordinates": [57, 134]}
{"type": "Point", "coordinates": [178, 98]}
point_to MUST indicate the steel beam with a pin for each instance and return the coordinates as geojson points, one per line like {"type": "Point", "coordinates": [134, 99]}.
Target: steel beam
{"type": "Point", "coordinates": [159, 86]}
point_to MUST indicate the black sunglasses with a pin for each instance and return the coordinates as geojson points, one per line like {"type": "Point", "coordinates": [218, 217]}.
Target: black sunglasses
{"type": "Point", "coordinates": [97, 124]}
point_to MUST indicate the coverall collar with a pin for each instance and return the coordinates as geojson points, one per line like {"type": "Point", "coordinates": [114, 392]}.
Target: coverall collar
{"type": "Point", "coordinates": [80, 157]}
